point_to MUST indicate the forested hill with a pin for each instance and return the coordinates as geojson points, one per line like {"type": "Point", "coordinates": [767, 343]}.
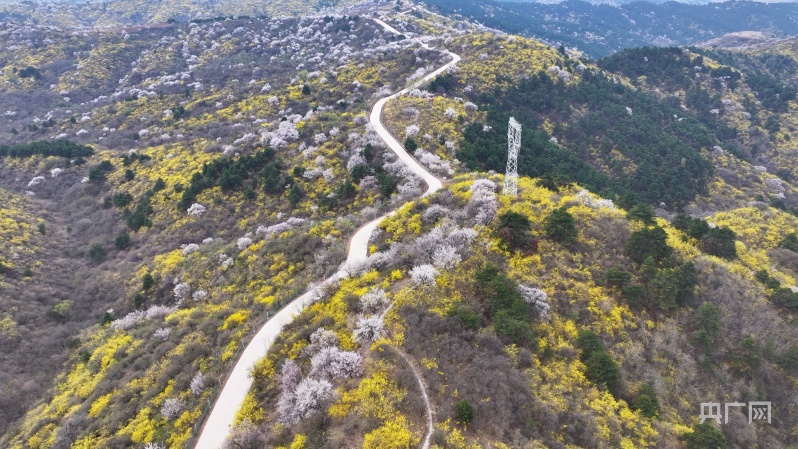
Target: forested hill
{"type": "Point", "coordinates": [125, 13]}
{"type": "Point", "coordinates": [600, 30]}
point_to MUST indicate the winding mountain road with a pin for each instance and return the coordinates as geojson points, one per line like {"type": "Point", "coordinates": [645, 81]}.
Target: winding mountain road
{"type": "Point", "coordinates": [220, 421]}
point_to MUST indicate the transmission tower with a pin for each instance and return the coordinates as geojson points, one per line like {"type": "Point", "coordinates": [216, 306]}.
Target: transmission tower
{"type": "Point", "coordinates": [514, 144]}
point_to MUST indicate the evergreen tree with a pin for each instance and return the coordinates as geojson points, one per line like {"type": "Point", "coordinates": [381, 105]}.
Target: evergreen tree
{"type": "Point", "coordinates": [465, 412]}
{"type": "Point", "coordinates": [560, 226]}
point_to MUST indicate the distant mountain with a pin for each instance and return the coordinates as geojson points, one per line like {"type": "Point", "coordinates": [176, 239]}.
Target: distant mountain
{"type": "Point", "coordinates": [602, 29]}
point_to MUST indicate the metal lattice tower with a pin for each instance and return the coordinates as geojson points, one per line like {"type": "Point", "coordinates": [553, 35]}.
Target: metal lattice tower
{"type": "Point", "coordinates": [514, 144]}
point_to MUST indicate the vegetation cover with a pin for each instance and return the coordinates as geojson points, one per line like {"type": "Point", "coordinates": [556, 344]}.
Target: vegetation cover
{"type": "Point", "coordinates": [581, 313]}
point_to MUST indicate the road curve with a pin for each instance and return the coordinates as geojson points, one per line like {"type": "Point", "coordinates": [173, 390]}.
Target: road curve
{"type": "Point", "coordinates": [220, 421]}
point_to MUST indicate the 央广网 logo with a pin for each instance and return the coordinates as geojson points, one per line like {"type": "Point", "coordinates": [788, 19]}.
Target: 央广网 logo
{"type": "Point", "coordinates": [757, 411]}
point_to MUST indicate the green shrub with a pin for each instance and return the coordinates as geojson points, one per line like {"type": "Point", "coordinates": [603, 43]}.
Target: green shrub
{"type": "Point", "coordinates": [790, 242]}
{"type": "Point", "coordinates": [704, 436]}
{"type": "Point", "coordinates": [465, 413]}
{"type": "Point", "coordinates": [642, 212]}
{"type": "Point", "coordinates": [649, 242]}
{"type": "Point", "coordinates": [789, 358]}
{"type": "Point", "coordinates": [147, 281]}
{"type": "Point", "coordinates": [159, 185]}
{"type": "Point", "coordinates": [62, 310]}
{"type": "Point", "coordinates": [548, 182]}
{"type": "Point", "coordinates": [560, 226]}
{"type": "Point", "coordinates": [706, 319]}
{"type": "Point", "coordinates": [122, 241]}
{"type": "Point", "coordinates": [617, 278]}
{"type": "Point", "coordinates": [602, 369]}
{"type": "Point", "coordinates": [693, 227]}
{"type": "Point", "coordinates": [518, 330]}
{"type": "Point", "coordinates": [646, 401]}
{"type": "Point", "coordinates": [513, 230]}
{"type": "Point", "coordinates": [59, 148]}
{"type": "Point", "coordinates": [467, 315]}
{"type": "Point", "coordinates": [589, 342]}
{"type": "Point", "coordinates": [410, 145]}
{"type": "Point", "coordinates": [745, 358]}
{"type": "Point", "coordinates": [504, 304]}
{"type": "Point", "coordinates": [784, 297]}
{"type": "Point", "coordinates": [720, 242]}
{"type": "Point", "coordinates": [295, 195]}
{"type": "Point", "coordinates": [122, 199]}
{"type": "Point", "coordinates": [97, 253]}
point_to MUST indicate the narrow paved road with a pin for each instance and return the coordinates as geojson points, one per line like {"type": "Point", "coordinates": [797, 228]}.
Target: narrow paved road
{"type": "Point", "coordinates": [219, 422]}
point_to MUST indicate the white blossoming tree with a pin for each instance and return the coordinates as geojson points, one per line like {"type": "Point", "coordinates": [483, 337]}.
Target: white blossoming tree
{"type": "Point", "coordinates": [333, 363]}
{"type": "Point", "coordinates": [197, 385]}
{"type": "Point", "coordinates": [172, 408]}
{"type": "Point", "coordinates": [369, 329]}
{"type": "Point", "coordinates": [196, 210]}
{"type": "Point", "coordinates": [310, 397]}
{"type": "Point", "coordinates": [374, 300]}
{"type": "Point", "coordinates": [423, 274]}
{"type": "Point", "coordinates": [536, 298]}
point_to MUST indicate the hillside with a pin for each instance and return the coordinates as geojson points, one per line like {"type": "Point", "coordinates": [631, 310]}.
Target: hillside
{"type": "Point", "coordinates": [133, 13]}
{"type": "Point", "coordinates": [166, 190]}
{"type": "Point", "coordinates": [204, 134]}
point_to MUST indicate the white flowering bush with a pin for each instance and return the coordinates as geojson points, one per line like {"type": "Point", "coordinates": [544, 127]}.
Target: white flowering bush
{"type": "Point", "coordinates": [596, 203]}
{"type": "Point", "coordinates": [355, 160]}
{"type": "Point", "coordinates": [244, 243]}
{"type": "Point", "coordinates": [434, 213]}
{"type": "Point", "coordinates": [162, 333]}
{"type": "Point", "coordinates": [279, 228]}
{"type": "Point", "coordinates": [310, 397]}
{"type": "Point", "coordinates": [321, 338]}
{"type": "Point", "coordinates": [369, 184]}
{"type": "Point", "coordinates": [369, 329]}
{"type": "Point", "coordinates": [197, 385]}
{"type": "Point", "coordinates": [536, 298]}
{"type": "Point", "coordinates": [374, 300]}
{"type": "Point", "coordinates": [196, 210]}
{"type": "Point", "coordinates": [181, 291]}
{"type": "Point", "coordinates": [290, 376]}
{"type": "Point", "coordinates": [774, 184]}
{"type": "Point", "coordinates": [483, 204]}
{"type": "Point", "coordinates": [333, 363]}
{"type": "Point", "coordinates": [190, 248]}
{"type": "Point", "coordinates": [445, 256]}
{"type": "Point", "coordinates": [172, 408]}
{"type": "Point", "coordinates": [226, 261]}
{"type": "Point", "coordinates": [199, 295]}
{"type": "Point", "coordinates": [129, 320]}
{"type": "Point", "coordinates": [423, 274]}
{"type": "Point", "coordinates": [156, 311]}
